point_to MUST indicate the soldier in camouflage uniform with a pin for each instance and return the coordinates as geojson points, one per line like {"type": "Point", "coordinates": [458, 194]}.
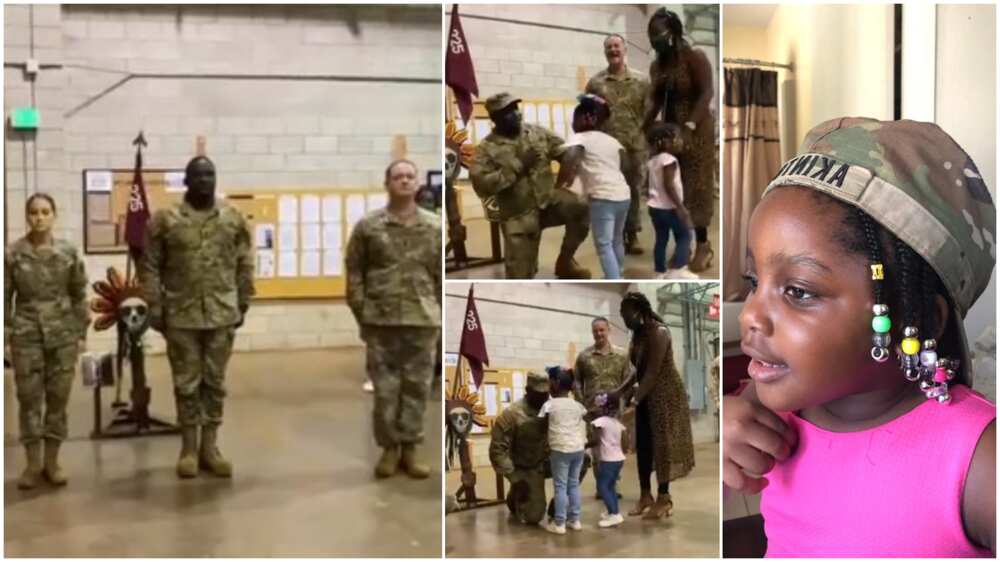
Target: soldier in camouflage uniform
{"type": "Point", "coordinates": [197, 276]}
{"type": "Point", "coordinates": [394, 291]}
{"type": "Point", "coordinates": [514, 165]}
{"type": "Point", "coordinates": [519, 450]}
{"type": "Point", "coordinates": [627, 91]}
{"type": "Point", "coordinates": [45, 323]}
{"type": "Point", "coordinates": [600, 368]}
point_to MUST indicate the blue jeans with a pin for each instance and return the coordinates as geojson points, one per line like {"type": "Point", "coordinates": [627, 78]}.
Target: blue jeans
{"type": "Point", "coordinates": [665, 221]}
{"type": "Point", "coordinates": [607, 223]}
{"type": "Point", "coordinates": [566, 480]}
{"type": "Point", "coordinates": [607, 475]}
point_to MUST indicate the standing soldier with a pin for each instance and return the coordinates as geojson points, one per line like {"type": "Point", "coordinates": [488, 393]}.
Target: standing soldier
{"type": "Point", "coordinates": [197, 275]}
{"type": "Point", "coordinates": [45, 322]}
{"type": "Point", "coordinates": [601, 368]}
{"type": "Point", "coordinates": [394, 291]}
{"type": "Point", "coordinates": [519, 450]}
{"type": "Point", "coordinates": [626, 91]}
{"type": "Point", "coordinates": [514, 165]}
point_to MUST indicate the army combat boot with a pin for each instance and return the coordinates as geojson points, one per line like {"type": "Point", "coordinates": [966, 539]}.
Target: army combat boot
{"type": "Point", "coordinates": [52, 471]}
{"type": "Point", "coordinates": [210, 458]}
{"type": "Point", "coordinates": [408, 462]}
{"type": "Point", "coordinates": [187, 464]}
{"type": "Point", "coordinates": [702, 258]}
{"type": "Point", "coordinates": [567, 268]}
{"type": "Point", "coordinates": [388, 462]}
{"type": "Point", "coordinates": [32, 474]}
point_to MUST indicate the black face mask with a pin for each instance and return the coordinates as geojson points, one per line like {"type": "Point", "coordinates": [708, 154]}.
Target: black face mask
{"type": "Point", "coordinates": [507, 121]}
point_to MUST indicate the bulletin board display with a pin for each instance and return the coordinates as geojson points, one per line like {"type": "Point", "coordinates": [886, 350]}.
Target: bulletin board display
{"type": "Point", "coordinates": [500, 389]}
{"type": "Point", "coordinates": [300, 237]}
{"type": "Point", "coordinates": [106, 195]}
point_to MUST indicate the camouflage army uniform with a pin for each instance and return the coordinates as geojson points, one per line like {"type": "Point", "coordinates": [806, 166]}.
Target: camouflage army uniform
{"type": "Point", "coordinates": [527, 202]}
{"type": "Point", "coordinates": [519, 450]}
{"type": "Point", "coordinates": [627, 95]}
{"type": "Point", "coordinates": [45, 317]}
{"type": "Point", "coordinates": [394, 291]}
{"type": "Point", "coordinates": [197, 275]}
{"type": "Point", "coordinates": [596, 372]}
{"type": "Point", "coordinates": [600, 371]}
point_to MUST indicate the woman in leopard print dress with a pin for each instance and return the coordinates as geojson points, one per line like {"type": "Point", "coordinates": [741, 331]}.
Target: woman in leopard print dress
{"type": "Point", "coordinates": [663, 422]}
{"type": "Point", "coordinates": [681, 90]}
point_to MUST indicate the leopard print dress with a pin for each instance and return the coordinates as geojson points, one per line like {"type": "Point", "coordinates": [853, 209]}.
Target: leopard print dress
{"type": "Point", "coordinates": [676, 85]}
{"type": "Point", "coordinates": [669, 413]}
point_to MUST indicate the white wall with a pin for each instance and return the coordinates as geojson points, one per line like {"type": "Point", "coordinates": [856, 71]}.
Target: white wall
{"type": "Point", "coordinates": [842, 58]}
{"type": "Point", "coordinates": [965, 107]}
{"type": "Point", "coordinates": [262, 134]}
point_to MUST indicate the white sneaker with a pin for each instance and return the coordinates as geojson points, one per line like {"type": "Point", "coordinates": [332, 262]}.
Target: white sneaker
{"type": "Point", "coordinates": [554, 529]}
{"type": "Point", "coordinates": [604, 515]}
{"type": "Point", "coordinates": [575, 525]}
{"type": "Point", "coordinates": [682, 273]}
{"type": "Point", "coordinates": [611, 521]}
{"type": "Point", "coordinates": [368, 386]}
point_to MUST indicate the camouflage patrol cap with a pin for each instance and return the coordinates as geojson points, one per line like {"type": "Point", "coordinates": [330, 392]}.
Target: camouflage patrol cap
{"type": "Point", "coordinates": [538, 382]}
{"type": "Point", "coordinates": [499, 101]}
{"type": "Point", "coordinates": [918, 183]}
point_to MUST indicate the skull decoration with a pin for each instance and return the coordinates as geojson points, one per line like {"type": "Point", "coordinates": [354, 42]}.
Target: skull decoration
{"type": "Point", "coordinates": [460, 420]}
{"type": "Point", "coordinates": [133, 312]}
{"type": "Point", "coordinates": [452, 165]}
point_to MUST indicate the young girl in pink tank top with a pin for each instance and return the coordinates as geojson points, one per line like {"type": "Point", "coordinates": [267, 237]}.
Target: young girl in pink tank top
{"type": "Point", "coordinates": [859, 427]}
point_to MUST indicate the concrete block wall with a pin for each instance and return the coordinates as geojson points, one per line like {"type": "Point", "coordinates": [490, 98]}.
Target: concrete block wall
{"type": "Point", "coordinates": [299, 131]}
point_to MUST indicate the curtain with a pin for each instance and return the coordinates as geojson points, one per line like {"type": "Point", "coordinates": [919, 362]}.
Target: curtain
{"type": "Point", "coordinates": [752, 157]}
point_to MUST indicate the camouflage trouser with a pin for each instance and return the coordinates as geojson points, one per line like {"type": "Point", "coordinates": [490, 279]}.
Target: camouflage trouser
{"type": "Point", "coordinates": [523, 234]}
{"type": "Point", "coordinates": [198, 361]}
{"type": "Point", "coordinates": [526, 499]}
{"type": "Point", "coordinates": [401, 367]}
{"type": "Point", "coordinates": [43, 375]}
{"type": "Point", "coordinates": [635, 172]}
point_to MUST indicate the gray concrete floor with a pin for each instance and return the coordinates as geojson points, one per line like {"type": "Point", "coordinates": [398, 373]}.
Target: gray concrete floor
{"type": "Point", "coordinates": [636, 267]}
{"type": "Point", "coordinates": [692, 531]}
{"type": "Point", "coordinates": [298, 430]}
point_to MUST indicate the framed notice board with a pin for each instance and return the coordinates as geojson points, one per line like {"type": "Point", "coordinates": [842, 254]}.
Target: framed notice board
{"type": "Point", "coordinates": [299, 235]}
{"type": "Point", "coordinates": [105, 202]}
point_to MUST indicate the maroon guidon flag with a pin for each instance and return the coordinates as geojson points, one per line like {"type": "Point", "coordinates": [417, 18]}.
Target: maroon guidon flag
{"type": "Point", "coordinates": [473, 343]}
{"type": "Point", "coordinates": [138, 206]}
{"type": "Point", "coordinates": [458, 71]}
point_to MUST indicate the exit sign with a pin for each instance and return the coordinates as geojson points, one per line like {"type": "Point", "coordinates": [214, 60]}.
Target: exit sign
{"type": "Point", "coordinates": [25, 118]}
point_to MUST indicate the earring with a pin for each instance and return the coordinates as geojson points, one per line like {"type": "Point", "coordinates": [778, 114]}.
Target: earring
{"type": "Point", "coordinates": [881, 323]}
{"type": "Point", "coordinates": [910, 362]}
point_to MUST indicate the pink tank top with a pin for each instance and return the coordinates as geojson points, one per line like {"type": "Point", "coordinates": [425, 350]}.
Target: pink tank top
{"type": "Point", "coordinates": [893, 490]}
